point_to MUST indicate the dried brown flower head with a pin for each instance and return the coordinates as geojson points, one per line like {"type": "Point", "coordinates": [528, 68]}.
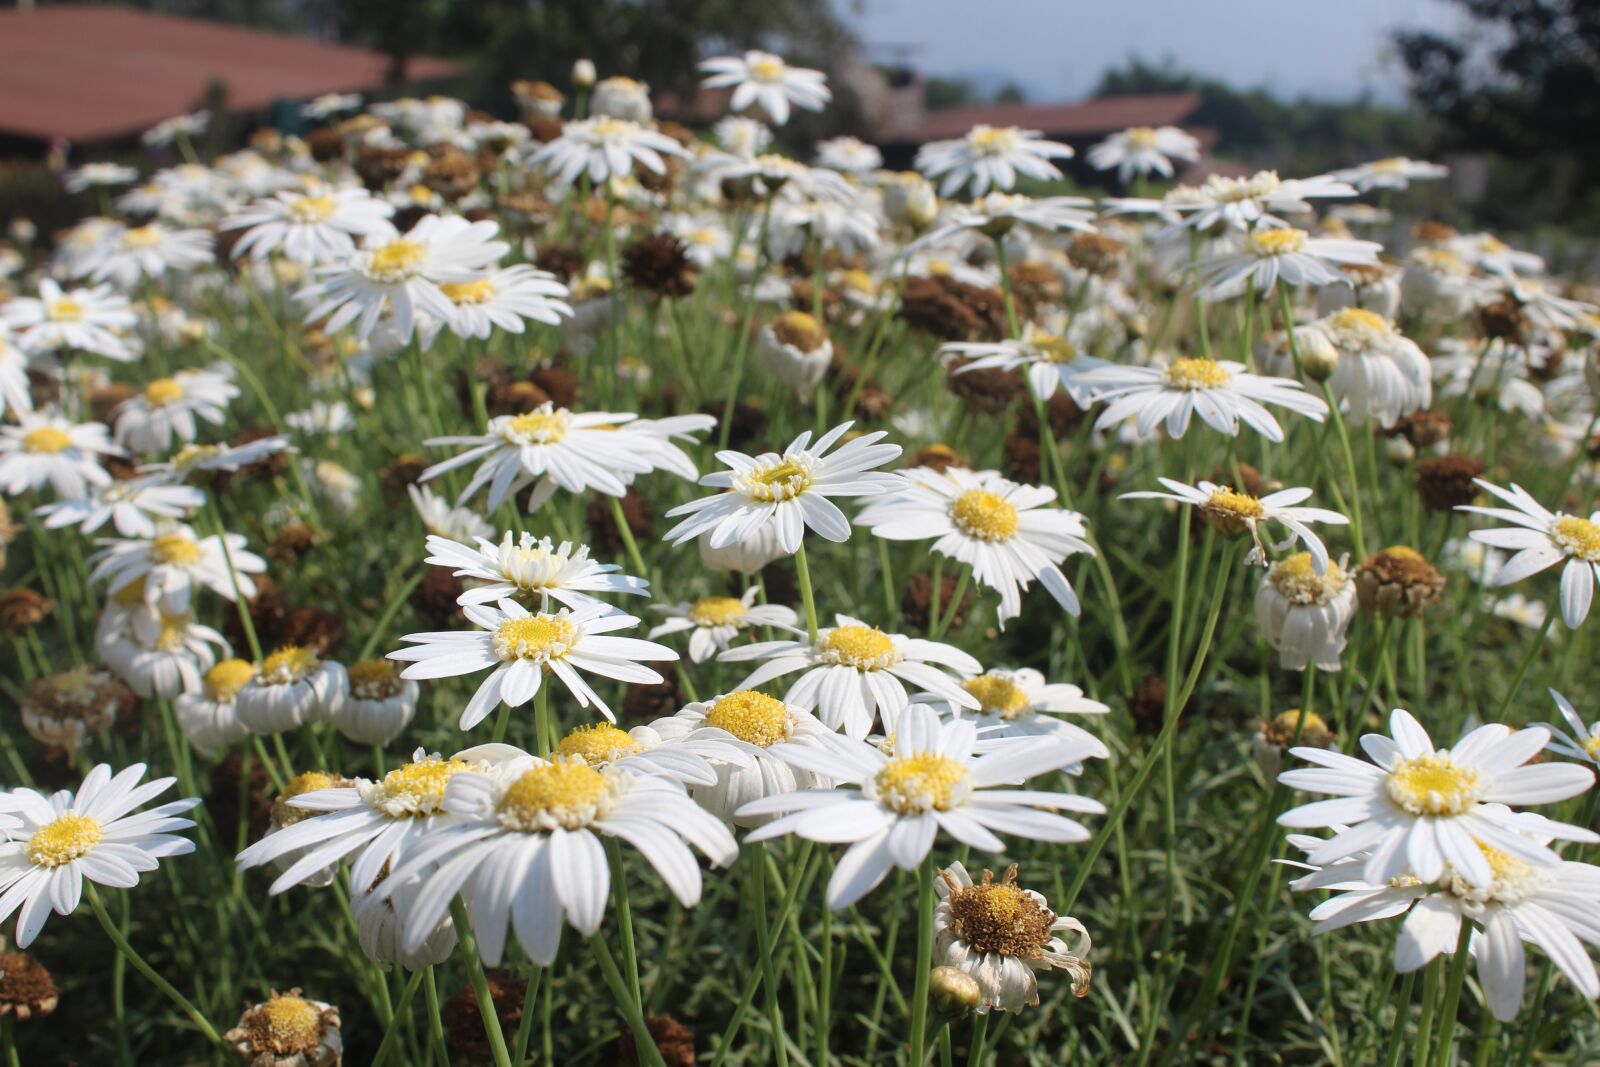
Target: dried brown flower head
{"type": "Point", "coordinates": [26, 989]}
{"type": "Point", "coordinates": [1447, 482]}
{"type": "Point", "coordinates": [1398, 583]}
{"type": "Point", "coordinates": [657, 263]}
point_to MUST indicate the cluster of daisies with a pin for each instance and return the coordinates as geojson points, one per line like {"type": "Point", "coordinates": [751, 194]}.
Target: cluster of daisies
{"type": "Point", "coordinates": [419, 232]}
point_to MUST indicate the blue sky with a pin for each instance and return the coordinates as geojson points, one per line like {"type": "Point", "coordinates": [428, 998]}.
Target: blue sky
{"type": "Point", "coordinates": [1057, 48]}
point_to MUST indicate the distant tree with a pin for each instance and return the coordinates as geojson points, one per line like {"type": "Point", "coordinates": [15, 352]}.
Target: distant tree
{"type": "Point", "coordinates": [948, 92]}
{"type": "Point", "coordinates": [1010, 93]}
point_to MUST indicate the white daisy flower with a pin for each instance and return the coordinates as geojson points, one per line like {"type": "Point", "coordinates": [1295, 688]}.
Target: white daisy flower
{"type": "Point", "coordinates": [157, 653]}
{"type": "Point", "coordinates": [789, 492]}
{"type": "Point", "coordinates": [207, 716]}
{"type": "Point", "coordinates": [1020, 703]}
{"type": "Point", "coordinates": [745, 137]}
{"type": "Point", "coordinates": [1542, 539]}
{"type": "Point", "coordinates": [376, 825]}
{"type": "Point", "coordinates": [194, 460]}
{"type": "Point", "coordinates": [168, 130]}
{"type": "Point", "coordinates": [1498, 374]}
{"type": "Point", "coordinates": [1396, 172]}
{"type": "Point", "coordinates": [714, 622]}
{"type": "Point", "coordinates": [756, 722]}
{"type": "Point", "coordinates": [15, 391]}
{"type": "Point", "coordinates": [134, 507]}
{"type": "Point", "coordinates": [97, 176]}
{"type": "Point", "coordinates": [1518, 609]}
{"type": "Point", "coordinates": [401, 275]}
{"type": "Point", "coordinates": [621, 98]}
{"type": "Point", "coordinates": [685, 757]}
{"type": "Point", "coordinates": [1233, 512]}
{"type": "Point", "coordinates": [442, 520]}
{"type": "Point", "coordinates": [1416, 808]}
{"type": "Point", "coordinates": [292, 687]}
{"type": "Point", "coordinates": [997, 214]}
{"type": "Point", "coordinates": [521, 646]}
{"type": "Point", "coordinates": [379, 704]}
{"type": "Point", "coordinates": [168, 407]}
{"type": "Point", "coordinates": [854, 673]}
{"type": "Point", "coordinates": [527, 853]}
{"type": "Point", "coordinates": [1584, 741]}
{"type": "Point", "coordinates": [764, 80]}
{"type": "Point", "coordinates": [990, 156]}
{"type": "Point", "coordinates": [47, 448]}
{"type": "Point", "coordinates": [313, 226]}
{"type": "Point", "coordinates": [149, 252]}
{"type": "Point", "coordinates": [322, 417]}
{"type": "Point", "coordinates": [932, 782]}
{"type": "Point", "coordinates": [1304, 612]}
{"type": "Point", "coordinates": [329, 104]}
{"type": "Point", "coordinates": [1240, 203]}
{"type": "Point", "coordinates": [85, 320]}
{"type": "Point", "coordinates": [1380, 374]}
{"type": "Point", "coordinates": [1284, 253]}
{"type": "Point", "coordinates": [1223, 393]}
{"type": "Point", "coordinates": [1050, 354]}
{"type": "Point", "coordinates": [1004, 936]}
{"type": "Point", "coordinates": [575, 451]}
{"type": "Point", "coordinates": [1001, 529]}
{"type": "Point", "coordinates": [380, 930]}
{"type": "Point", "coordinates": [524, 566]}
{"type": "Point", "coordinates": [603, 148]}
{"type": "Point", "coordinates": [1144, 150]}
{"type": "Point", "coordinates": [95, 834]}
{"type": "Point", "coordinates": [849, 155]}
{"type": "Point", "coordinates": [503, 299]}
{"type": "Point", "coordinates": [172, 562]}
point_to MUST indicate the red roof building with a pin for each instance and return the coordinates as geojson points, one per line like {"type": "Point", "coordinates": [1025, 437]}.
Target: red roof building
{"type": "Point", "coordinates": [95, 74]}
{"type": "Point", "coordinates": [1060, 122]}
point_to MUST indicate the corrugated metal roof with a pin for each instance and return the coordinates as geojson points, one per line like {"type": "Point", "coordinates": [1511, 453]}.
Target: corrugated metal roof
{"type": "Point", "coordinates": [98, 73]}
{"type": "Point", "coordinates": [1106, 114]}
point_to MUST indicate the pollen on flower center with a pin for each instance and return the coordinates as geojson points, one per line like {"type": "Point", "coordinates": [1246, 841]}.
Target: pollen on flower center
{"type": "Point", "coordinates": [1053, 349]}
{"type": "Point", "coordinates": [752, 717]}
{"type": "Point", "coordinates": [415, 790]}
{"type": "Point", "coordinates": [174, 632]}
{"type": "Point", "coordinates": [46, 439]}
{"type": "Point", "coordinates": [783, 480]}
{"type": "Point", "coordinates": [926, 781]}
{"type": "Point", "coordinates": [163, 391]}
{"type": "Point", "coordinates": [598, 742]}
{"type": "Point", "coordinates": [478, 291]}
{"type": "Point", "coordinates": [64, 310]}
{"type": "Point", "coordinates": [992, 140]}
{"type": "Point", "coordinates": [1510, 879]}
{"type": "Point", "coordinates": [312, 208]}
{"type": "Point", "coordinates": [568, 795]}
{"type": "Point", "coordinates": [767, 68]}
{"type": "Point", "coordinates": [998, 695]}
{"type": "Point", "coordinates": [374, 679]}
{"type": "Point", "coordinates": [984, 516]}
{"type": "Point", "coordinates": [1000, 917]}
{"type": "Point", "coordinates": [535, 637]}
{"type": "Point", "coordinates": [1295, 576]}
{"type": "Point", "coordinates": [1577, 537]}
{"type": "Point", "coordinates": [861, 647]}
{"type": "Point", "coordinates": [716, 611]}
{"type": "Point", "coordinates": [1187, 373]}
{"type": "Point", "coordinates": [285, 814]}
{"type": "Point", "coordinates": [1277, 242]}
{"type": "Point", "coordinates": [543, 427]}
{"type": "Point", "coordinates": [285, 1026]}
{"type": "Point", "coordinates": [141, 237]}
{"type": "Point", "coordinates": [60, 842]}
{"type": "Point", "coordinates": [395, 261]}
{"type": "Point", "coordinates": [223, 682]}
{"type": "Point", "coordinates": [288, 665]}
{"type": "Point", "coordinates": [1433, 785]}
{"type": "Point", "coordinates": [1142, 137]}
{"type": "Point", "coordinates": [174, 548]}
{"type": "Point", "coordinates": [1367, 325]}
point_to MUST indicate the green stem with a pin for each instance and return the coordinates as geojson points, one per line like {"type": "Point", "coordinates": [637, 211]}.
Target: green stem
{"type": "Point", "coordinates": [980, 1034]}
{"type": "Point", "coordinates": [519, 1048]}
{"type": "Point", "coordinates": [542, 730]}
{"type": "Point", "coordinates": [1430, 1004]}
{"type": "Point", "coordinates": [643, 1041]}
{"type": "Point", "coordinates": [386, 616]}
{"type": "Point", "coordinates": [807, 597]}
{"type": "Point", "coordinates": [1391, 1058]}
{"type": "Point", "coordinates": [1522, 669]}
{"type": "Point", "coordinates": [757, 873]}
{"type": "Point", "coordinates": [139, 964]}
{"type": "Point", "coordinates": [391, 1034]}
{"type": "Point", "coordinates": [919, 996]}
{"type": "Point", "coordinates": [1005, 285]}
{"type": "Point", "coordinates": [1452, 995]}
{"type": "Point", "coordinates": [742, 342]}
{"type": "Point", "coordinates": [480, 983]}
{"type": "Point", "coordinates": [1350, 469]}
{"type": "Point", "coordinates": [619, 890]}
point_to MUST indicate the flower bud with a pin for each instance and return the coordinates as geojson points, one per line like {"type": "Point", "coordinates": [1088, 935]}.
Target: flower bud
{"type": "Point", "coordinates": [583, 73]}
{"type": "Point", "coordinates": [1318, 356]}
{"type": "Point", "coordinates": [953, 992]}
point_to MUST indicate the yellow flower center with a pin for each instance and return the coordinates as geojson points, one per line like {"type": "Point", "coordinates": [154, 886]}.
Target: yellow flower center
{"type": "Point", "coordinates": [1277, 242]}
{"type": "Point", "coordinates": [76, 685]}
{"type": "Point", "coordinates": [46, 439]}
{"type": "Point", "coordinates": [1296, 577]}
{"type": "Point", "coordinates": [1577, 537]}
{"type": "Point", "coordinates": [926, 781]}
{"type": "Point", "coordinates": [283, 814]}
{"type": "Point", "coordinates": [992, 140]}
{"type": "Point", "coordinates": [64, 310]}
{"type": "Point", "coordinates": [310, 209]}
{"type": "Point", "coordinates": [998, 694]}
{"type": "Point", "coordinates": [1142, 137]}
{"type": "Point", "coordinates": [1187, 373]}
{"type": "Point", "coordinates": [142, 237]}
{"type": "Point", "coordinates": [1001, 918]}
{"type": "Point", "coordinates": [716, 610]}
{"type": "Point", "coordinates": [1433, 785]}
{"type": "Point", "coordinates": [608, 128]}
{"type": "Point", "coordinates": [395, 261]}
{"type": "Point", "coordinates": [163, 391]}
{"type": "Point", "coordinates": [478, 291]}
{"type": "Point", "coordinates": [174, 632]}
{"type": "Point", "coordinates": [1591, 745]}
{"type": "Point", "coordinates": [1053, 349]}
{"type": "Point", "coordinates": [569, 795]}
{"type": "Point", "coordinates": [374, 679]}
{"type": "Point", "coordinates": [984, 516]}
{"type": "Point", "coordinates": [1232, 510]}
{"type": "Point", "coordinates": [542, 427]}
{"type": "Point", "coordinates": [752, 717]}
{"type": "Point", "coordinates": [783, 480]}
{"type": "Point", "coordinates": [862, 647]}
{"type": "Point", "coordinates": [415, 790]}
{"type": "Point", "coordinates": [799, 329]}
{"type": "Point", "coordinates": [174, 548]}
{"type": "Point", "coordinates": [767, 68]}
{"type": "Point", "coordinates": [598, 742]}
{"type": "Point", "coordinates": [285, 1026]}
{"type": "Point", "coordinates": [288, 665]}
{"type": "Point", "coordinates": [1288, 720]}
{"type": "Point", "coordinates": [58, 843]}
{"type": "Point", "coordinates": [223, 682]}
{"type": "Point", "coordinates": [1360, 321]}
{"type": "Point", "coordinates": [535, 637]}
